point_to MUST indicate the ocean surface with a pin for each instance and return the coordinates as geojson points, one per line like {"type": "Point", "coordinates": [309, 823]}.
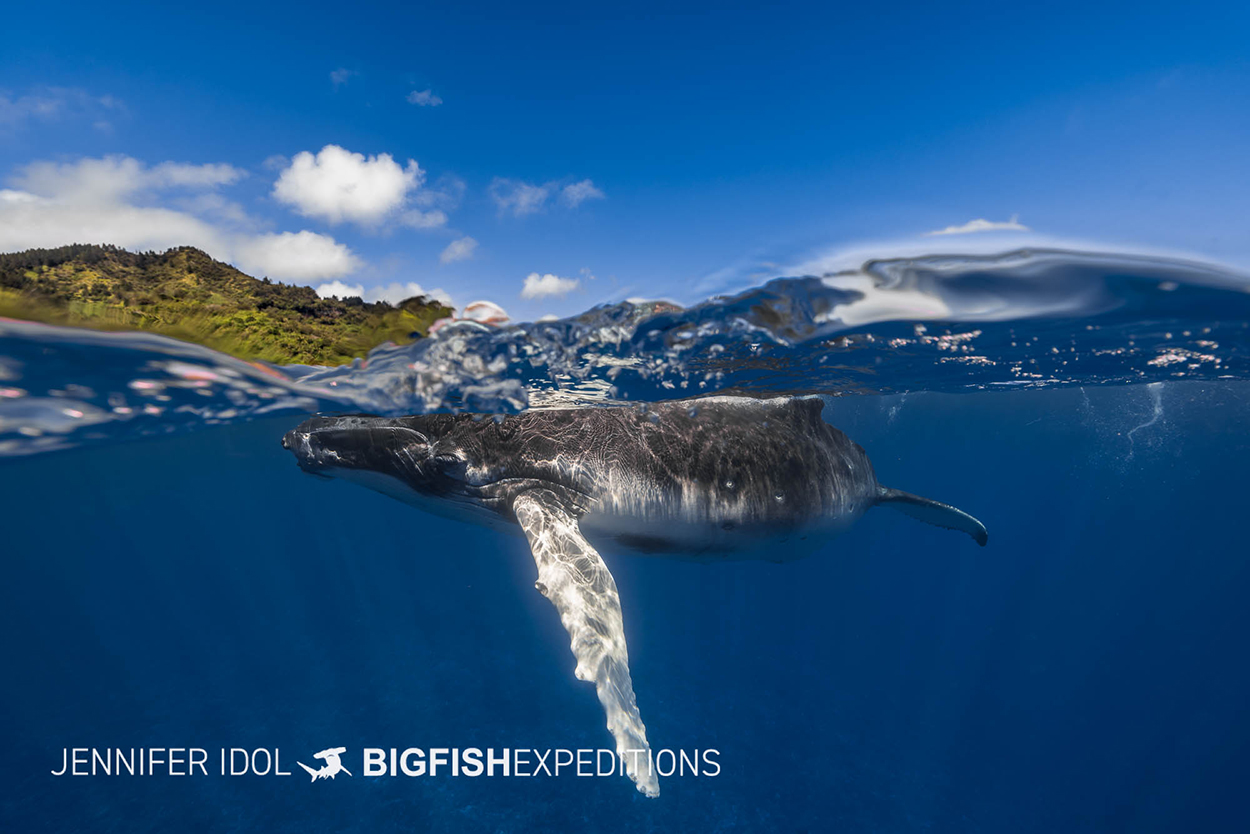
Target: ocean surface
{"type": "Point", "coordinates": [173, 580]}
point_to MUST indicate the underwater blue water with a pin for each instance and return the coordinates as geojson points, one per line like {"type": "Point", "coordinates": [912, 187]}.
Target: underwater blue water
{"type": "Point", "coordinates": [1083, 672]}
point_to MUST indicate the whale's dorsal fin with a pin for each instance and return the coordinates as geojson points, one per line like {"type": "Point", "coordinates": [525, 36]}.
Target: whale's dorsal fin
{"type": "Point", "coordinates": [571, 574]}
{"type": "Point", "coordinates": [933, 512]}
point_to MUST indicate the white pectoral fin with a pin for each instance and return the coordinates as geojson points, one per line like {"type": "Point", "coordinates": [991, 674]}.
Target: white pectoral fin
{"type": "Point", "coordinates": [573, 576]}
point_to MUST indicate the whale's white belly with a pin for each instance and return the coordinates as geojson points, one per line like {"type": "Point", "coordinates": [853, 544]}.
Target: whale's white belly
{"type": "Point", "coordinates": [704, 540]}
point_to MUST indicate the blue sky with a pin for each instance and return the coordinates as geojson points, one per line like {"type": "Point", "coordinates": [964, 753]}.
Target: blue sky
{"type": "Point", "coordinates": [618, 151]}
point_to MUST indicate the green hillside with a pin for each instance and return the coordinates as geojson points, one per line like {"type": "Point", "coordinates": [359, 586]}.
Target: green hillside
{"type": "Point", "coordinates": [185, 294]}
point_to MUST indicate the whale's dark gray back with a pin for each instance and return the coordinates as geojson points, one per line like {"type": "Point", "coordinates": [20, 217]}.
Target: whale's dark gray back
{"type": "Point", "coordinates": [756, 461]}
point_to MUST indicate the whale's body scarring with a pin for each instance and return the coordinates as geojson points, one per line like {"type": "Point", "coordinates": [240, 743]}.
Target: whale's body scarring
{"type": "Point", "coordinates": [716, 478]}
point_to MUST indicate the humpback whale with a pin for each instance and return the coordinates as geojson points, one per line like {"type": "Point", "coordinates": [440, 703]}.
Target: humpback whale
{"type": "Point", "coordinates": [708, 479]}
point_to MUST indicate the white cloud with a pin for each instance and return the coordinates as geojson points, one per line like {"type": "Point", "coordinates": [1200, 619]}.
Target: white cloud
{"type": "Point", "coordinates": [397, 292]}
{"type": "Point", "coordinates": [338, 185]}
{"type": "Point", "coordinates": [115, 177]}
{"type": "Point", "coordinates": [341, 76]}
{"type": "Point", "coordinates": [392, 293]}
{"type": "Point", "coordinates": [983, 225]}
{"type": "Point", "coordinates": [460, 249]}
{"type": "Point", "coordinates": [433, 202]}
{"type": "Point", "coordinates": [17, 111]}
{"type": "Point", "coordinates": [51, 103]}
{"type": "Point", "coordinates": [214, 206]}
{"type": "Point", "coordinates": [14, 197]}
{"type": "Point", "coordinates": [337, 289]}
{"type": "Point", "coordinates": [300, 256]}
{"type": "Point", "coordinates": [117, 200]}
{"type": "Point", "coordinates": [545, 286]}
{"type": "Point", "coordinates": [30, 221]}
{"type": "Point", "coordinates": [418, 219]}
{"type": "Point", "coordinates": [518, 198]}
{"type": "Point", "coordinates": [194, 176]}
{"type": "Point", "coordinates": [424, 98]}
{"type": "Point", "coordinates": [446, 193]}
{"type": "Point", "coordinates": [575, 194]}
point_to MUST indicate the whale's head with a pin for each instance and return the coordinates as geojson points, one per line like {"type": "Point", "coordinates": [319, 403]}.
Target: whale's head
{"type": "Point", "coordinates": [415, 459]}
{"type": "Point", "coordinates": [331, 446]}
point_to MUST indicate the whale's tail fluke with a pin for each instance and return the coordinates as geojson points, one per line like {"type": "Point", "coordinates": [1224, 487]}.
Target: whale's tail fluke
{"type": "Point", "coordinates": [933, 512]}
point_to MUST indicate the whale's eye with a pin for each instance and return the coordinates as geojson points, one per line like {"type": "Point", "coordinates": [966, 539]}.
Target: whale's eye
{"type": "Point", "coordinates": [779, 497]}
{"type": "Point", "coordinates": [731, 484]}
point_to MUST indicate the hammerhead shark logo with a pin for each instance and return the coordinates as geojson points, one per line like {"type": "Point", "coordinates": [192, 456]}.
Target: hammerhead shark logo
{"type": "Point", "coordinates": [332, 767]}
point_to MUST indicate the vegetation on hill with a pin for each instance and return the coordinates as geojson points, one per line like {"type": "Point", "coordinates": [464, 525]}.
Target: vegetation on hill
{"type": "Point", "coordinates": [185, 294]}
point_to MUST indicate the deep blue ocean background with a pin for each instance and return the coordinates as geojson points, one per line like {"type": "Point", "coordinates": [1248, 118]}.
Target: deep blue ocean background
{"type": "Point", "coordinates": [174, 580]}
{"type": "Point", "coordinates": [1084, 672]}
